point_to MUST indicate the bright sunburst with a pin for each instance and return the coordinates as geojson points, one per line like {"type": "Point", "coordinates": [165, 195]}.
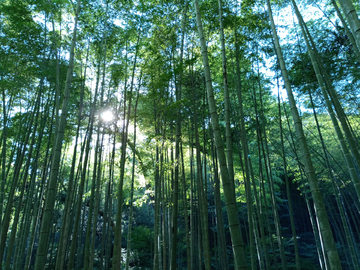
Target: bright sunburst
{"type": "Point", "coordinates": [107, 116]}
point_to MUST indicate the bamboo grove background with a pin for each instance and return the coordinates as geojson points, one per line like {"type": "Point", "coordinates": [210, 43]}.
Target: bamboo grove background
{"type": "Point", "coordinates": [179, 134]}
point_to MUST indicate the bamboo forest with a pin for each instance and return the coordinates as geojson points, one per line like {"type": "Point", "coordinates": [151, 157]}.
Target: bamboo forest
{"type": "Point", "coordinates": [178, 134]}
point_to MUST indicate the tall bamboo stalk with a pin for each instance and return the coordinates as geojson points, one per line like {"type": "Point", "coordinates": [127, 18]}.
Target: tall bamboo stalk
{"type": "Point", "coordinates": [348, 238]}
{"type": "Point", "coordinates": [117, 243]}
{"type": "Point", "coordinates": [232, 212]}
{"type": "Point", "coordinates": [177, 147]}
{"type": "Point", "coordinates": [203, 207]}
{"type": "Point", "coordinates": [51, 191]}
{"type": "Point", "coordinates": [291, 213]}
{"type": "Point", "coordinates": [128, 246]}
{"type": "Point", "coordinates": [325, 84]}
{"type": "Point", "coordinates": [352, 18]}
{"type": "Point", "coordinates": [319, 205]}
{"type": "Point", "coordinates": [347, 31]}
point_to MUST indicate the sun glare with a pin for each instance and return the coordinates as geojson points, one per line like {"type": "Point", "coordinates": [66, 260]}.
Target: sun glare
{"type": "Point", "coordinates": [107, 116]}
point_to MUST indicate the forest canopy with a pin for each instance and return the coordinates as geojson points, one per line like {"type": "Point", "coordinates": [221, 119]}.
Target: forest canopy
{"type": "Point", "coordinates": [179, 134]}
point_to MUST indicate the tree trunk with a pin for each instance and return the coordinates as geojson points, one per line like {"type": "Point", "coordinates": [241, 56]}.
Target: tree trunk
{"type": "Point", "coordinates": [192, 190]}
{"type": "Point", "coordinates": [3, 157]}
{"type": "Point", "coordinates": [183, 183]}
{"type": "Point", "coordinates": [117, 240]}
{"type": "Point", "coordinates": [16, 174]}
{"type": "Point", "coordinates": [353, 19]}
{"type": "Point", "coordinates": [51, 191]}
{"type": "Point", "coordinates": [271, 183]}
{"type": "Point", "coordinates": [128, 245]}
{"type": "Point", "coordinates": [157, 202]}
{"type": "Point", "coordinates": [229, 151]}
{"type": "Point", "coordinates": [232, 212]}
{"type": "Point", "coordinates": [349, 239]}
{"type": "Point", "coordinates": [203, 207]}
{"type": "Point", "coordinates": [38, 200]}
{"type": "Point", "coordinates": [347, 31]}
{"type": "Point", "coordinates": [319, 69]}
{"type": "Point", "coordinates": [319, 205]}
{"type": "Point", "coordinates": [81, 186]}
{"type": "Point", "coordinates": [291, 214]}
{"type": "Point", "coordinates": [218, 210]}
{"type": "Point", "coordinates": [65, 226]}
{"type": "Point", "coordinates": [177, 147]}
